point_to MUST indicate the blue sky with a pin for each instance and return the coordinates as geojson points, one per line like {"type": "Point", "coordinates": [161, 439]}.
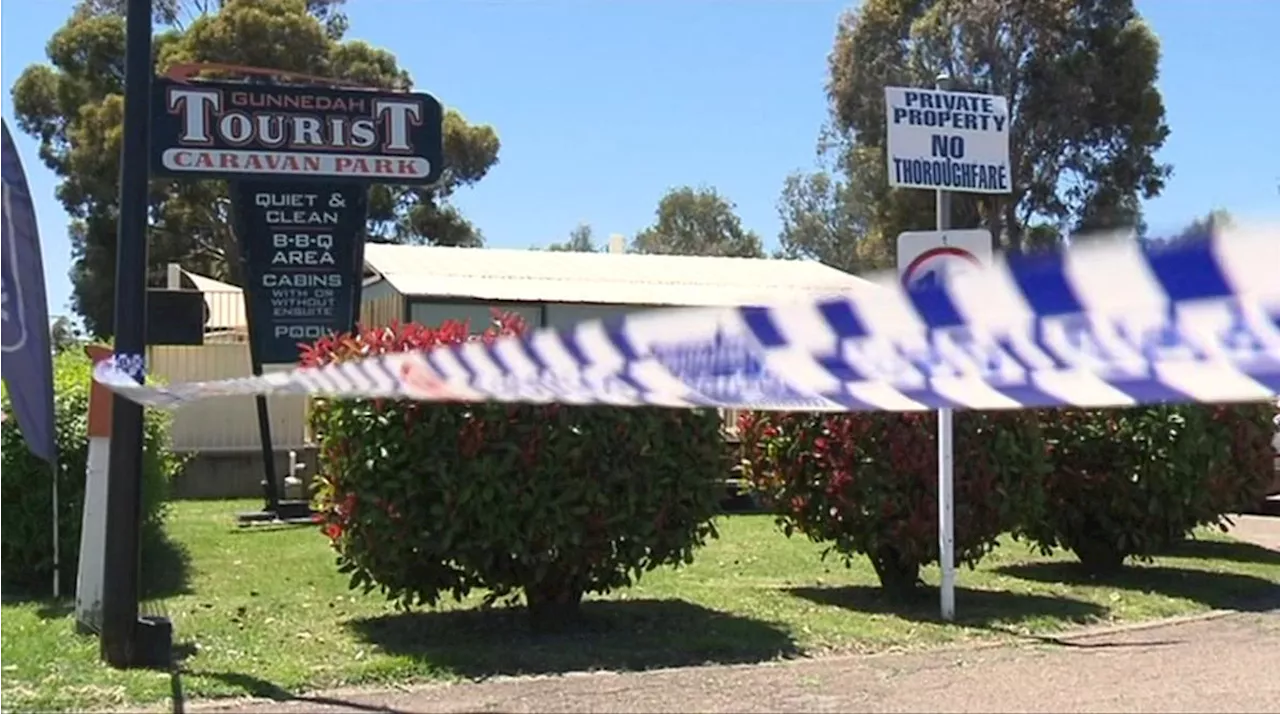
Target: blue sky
{"type": "Point", "coordinates": [602, 105]}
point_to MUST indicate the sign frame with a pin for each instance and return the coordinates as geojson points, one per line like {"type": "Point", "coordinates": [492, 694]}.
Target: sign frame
{"type": "Point", "coordinates": [254, 130]}
{"type": "Point", "coordinates": [944, 140]}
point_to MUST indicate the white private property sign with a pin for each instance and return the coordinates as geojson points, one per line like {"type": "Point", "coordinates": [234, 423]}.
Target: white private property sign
{"type": "Point", "coordinates": [947, 141]}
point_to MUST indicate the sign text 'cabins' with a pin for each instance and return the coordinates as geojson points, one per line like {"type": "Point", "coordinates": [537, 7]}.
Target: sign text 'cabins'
{"type": "Point", "coordinates": [302, 244]}
{"type": "Point", "coordinates": [233, 130]}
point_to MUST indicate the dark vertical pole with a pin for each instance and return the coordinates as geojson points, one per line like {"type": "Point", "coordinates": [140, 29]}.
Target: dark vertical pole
{"type": "Point", "coordinates": [270, 486]}
{"type": "Point", "coordinates": [358, 289]}
{"type": "Point", "coordinates": [122, 550]}
{"type": "Point", "coordinates": [946, 448]}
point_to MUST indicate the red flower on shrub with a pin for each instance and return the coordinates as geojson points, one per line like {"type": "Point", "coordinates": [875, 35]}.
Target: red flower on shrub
{"type": "Point", "coordinates": [333, 530]}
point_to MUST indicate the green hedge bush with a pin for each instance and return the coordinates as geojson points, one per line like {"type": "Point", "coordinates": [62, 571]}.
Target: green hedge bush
{"type": "Point", "coordinates": [423, 500]}
{"type": "Point", "coordinates": [866, 483]}
{"type": "Point", "coordinates": [1131, 482]}
{"type": "Point", "coordinates": [26, 533]}
{"type": "Point", "coordinates": [1106, 484]}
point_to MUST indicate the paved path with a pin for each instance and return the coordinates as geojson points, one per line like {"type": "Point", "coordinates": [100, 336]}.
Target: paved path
{"type": "Point", "coordinates": [1223, 663]}
{"type": "Point", "coordinates": [1259, 530]}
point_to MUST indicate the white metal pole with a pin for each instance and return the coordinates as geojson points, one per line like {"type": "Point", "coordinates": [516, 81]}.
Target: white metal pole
{"type": "Point", "coordinates": [946, 454]}
{"type": "Point", "coordinates": [57, 537]}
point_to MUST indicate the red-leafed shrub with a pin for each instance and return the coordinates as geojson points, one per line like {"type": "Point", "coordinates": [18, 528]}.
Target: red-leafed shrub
{"type": "Point", "coordinates": [866, 483]}
{"type": "Point", "coordinates": [1131, 482]}
{"type": "Point", "coordinates": [424, 499]}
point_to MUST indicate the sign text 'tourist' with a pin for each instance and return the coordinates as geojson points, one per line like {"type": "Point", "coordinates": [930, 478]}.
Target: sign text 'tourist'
{"type": "Point", "coordinates": [239, 130]}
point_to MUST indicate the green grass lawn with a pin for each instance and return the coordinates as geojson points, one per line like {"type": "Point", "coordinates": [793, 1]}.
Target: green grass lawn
{"type": "Point", "coordinates": [264, 612]}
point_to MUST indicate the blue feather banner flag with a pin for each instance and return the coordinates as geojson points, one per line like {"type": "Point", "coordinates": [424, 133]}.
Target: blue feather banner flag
{"type": "Point", "coordinates": [28, 358]}
{"type": "Point", "coordinates": [1106, 324]}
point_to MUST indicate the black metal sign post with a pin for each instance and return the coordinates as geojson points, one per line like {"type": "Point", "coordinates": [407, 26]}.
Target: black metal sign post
{"type": "Point", "coordinates": [121, 558]}
{"type": "Point", "coordinates": [128, 640]}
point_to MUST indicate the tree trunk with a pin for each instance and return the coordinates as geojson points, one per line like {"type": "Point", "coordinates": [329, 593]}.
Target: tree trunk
{"type": "Point", "coordinates": [1013, 230]}
{"type": "Point", "coordinates": [897, 576]}
{"type": "Point", "coordinates": [554, 606]}
{"type": "Point", "coordinates": [995, 223]}
{"type": "Point", "coordinates": [1098, 556]}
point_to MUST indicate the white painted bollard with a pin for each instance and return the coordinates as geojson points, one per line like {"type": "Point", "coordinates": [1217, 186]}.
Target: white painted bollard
{"type": "Point", "coordinates": [93, 524]}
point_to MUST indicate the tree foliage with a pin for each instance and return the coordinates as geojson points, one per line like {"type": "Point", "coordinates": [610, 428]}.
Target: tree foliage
{"type": "Point", "coordinates": [1204, 227]}
{"type": "Point", "coordinates": [74, 106]}
{"type": "Point", "coordinates": [581, 240]}
{"type": "Point", "coordinates": [698, 221]}
{"type": "Point", "coordinates": [827, 215]}
{"type": "Point", "coordinates": [65, 335]}
{"type": "Point", "coordinates": [1086, 121]}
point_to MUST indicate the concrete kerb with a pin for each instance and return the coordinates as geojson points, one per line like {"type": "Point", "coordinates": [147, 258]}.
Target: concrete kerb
{"type": "Point", "coordinates": [1086, 633]}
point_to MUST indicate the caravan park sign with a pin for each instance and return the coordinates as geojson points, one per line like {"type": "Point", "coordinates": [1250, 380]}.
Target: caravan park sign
{"type": "Point", "coordinates": [298, 153]}
{"type": "Point", "coordinates": [242, 130]}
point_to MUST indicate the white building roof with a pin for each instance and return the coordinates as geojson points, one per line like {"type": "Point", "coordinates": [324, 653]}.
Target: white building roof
{"type": "Point", "coordinates": [225, 302]}
{"type": "Point", "coordinates": [603, 278]}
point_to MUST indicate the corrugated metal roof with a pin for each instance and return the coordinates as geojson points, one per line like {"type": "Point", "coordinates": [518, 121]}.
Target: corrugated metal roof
{"type": "Point", "coordinates": [603, 278]}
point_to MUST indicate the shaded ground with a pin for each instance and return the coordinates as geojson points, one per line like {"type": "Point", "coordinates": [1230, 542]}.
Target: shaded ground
{"type": "Point", "coordinates": [1222, 663]}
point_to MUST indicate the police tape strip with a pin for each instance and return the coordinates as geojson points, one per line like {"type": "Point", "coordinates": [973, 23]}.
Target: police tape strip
{"type": "Point", "coordinates": [1107, 324]}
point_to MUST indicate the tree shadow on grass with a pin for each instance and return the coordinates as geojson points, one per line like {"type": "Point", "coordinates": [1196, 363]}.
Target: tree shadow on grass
{"type": "Point", "coordinates": [166, 568]}
{"type": "Point", "coordinates": [272, 527]}
{"type": "Point", "coordinates": [250, 686]}
{"type": "Point", "coordinates": [166, 572]}
{"type": "Point", "coordinates": [1216, 590]}
{"type": "Point", "coordinates": [1235, 552]}
{"type": "Point", "coordinates": [615, 635]}
{"type": "Point", "coordinates": [996, 610]}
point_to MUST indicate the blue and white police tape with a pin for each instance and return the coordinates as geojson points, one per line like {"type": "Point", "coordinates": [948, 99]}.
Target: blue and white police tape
{"type": "Point", "coordinates": [1107, 324]}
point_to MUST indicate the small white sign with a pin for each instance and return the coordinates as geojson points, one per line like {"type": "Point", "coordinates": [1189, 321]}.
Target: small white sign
{"type": "Point", "coordinates": [948, 141]}
{"type": "Point", "coordinates": [930, 256]}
